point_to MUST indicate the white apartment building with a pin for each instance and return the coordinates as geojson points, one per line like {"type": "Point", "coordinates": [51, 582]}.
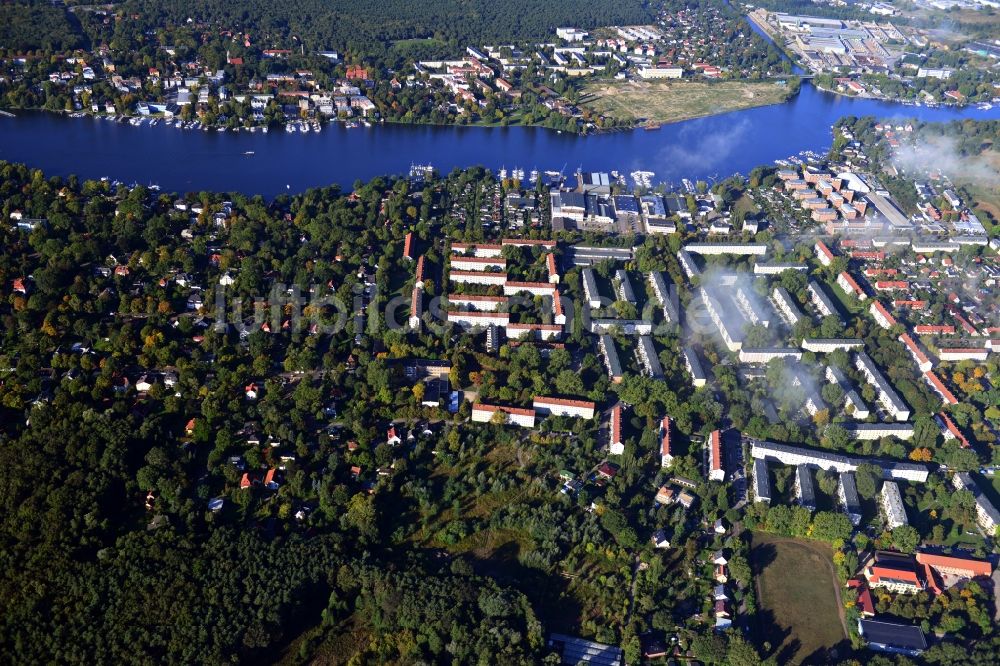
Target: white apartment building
{"type": "Point", "coordinates": [882, 316]}
{"type": "Point", "coordinates": [964, 354]}
{"type": "Point", "coordinates": [693, 365]}
{"type": "Point", "coordinates": [646, 352]}
{"type": "Point", "coordinates": [462, 263]}
{"type": "Point", "coordinates": [477, 277]}
{"type": "Point", "coordinates": [688, 264]}
{"type": "Point", "coordinates": [533, 331]}
{"type": "Point", "coordinates": [891, 503]}
{"type": "Point", "coordinates": [590, 291]}
{"type": "Point", "coordinates": [755, 249]}
{"type": "Point", "coordinates": [562, 407]}
{"type": "Point", "coordinates": [986, 513]}
{"type": "Point", "coordinates": [786, 306]}
{"type": "Point", "coordinates": [479, 303]}
{"type": "Point", "coordinates": [873, 431]}
{"type": "Point", "coordinates": [853, 403]}
{"type": "Point", "coordinates": [795, 455]}
{"type": "Point", "coordinates": [626, 326]}
{"type": "Point", "coordinates": [820, 300]}
{"type": "Point", "coordinates": [625, 291]}
{"type": "Point", "coordinates": [777, 268]}
{"type": "Point", "coordinates": [823, 253]}
{"type": "Point", "coordinates": [664, 296]}
{"type": "Point", "coordinates": [747, 305]}
{"type": "Point", "coordinates": [851, 286]}
{"type": "Point", "coordinates": [477, 250]}
{"type": "Point", "coordinates": [610, 354]}
{"type": "Point", "coordinates": [768, 354]}
{"type": "Point", "coordinates": [827, 345]}
{"type": "Point", "coordinates": [887, 395]}
{"type": "Point", "coordinates": [533, 288]}
{"type": "Point", "coordinates": [473, 320]}
{"type": "Point", "coordinates": [484, 413]}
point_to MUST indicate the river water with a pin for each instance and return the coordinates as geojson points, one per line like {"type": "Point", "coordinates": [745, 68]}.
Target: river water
{"type": "Point", "coordinates": [188, 160]}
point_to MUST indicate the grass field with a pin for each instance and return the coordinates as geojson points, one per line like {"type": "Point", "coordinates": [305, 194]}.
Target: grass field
{"type": "Point", "coordinates": [673, 101]}
{"type": "Point", "coordinates": [799, 608]}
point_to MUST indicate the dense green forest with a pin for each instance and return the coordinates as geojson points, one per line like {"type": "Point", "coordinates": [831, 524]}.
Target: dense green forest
{"type": "Point", "coordinates": [354, 24]}
{"type": "Point", "coordinates": [364, 28]}
{"type": "Point", "coordinates": [26, 26]}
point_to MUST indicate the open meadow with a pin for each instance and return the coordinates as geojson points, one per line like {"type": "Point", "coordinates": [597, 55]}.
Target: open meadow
{"type": "Point", "coordinates": [800, 614]}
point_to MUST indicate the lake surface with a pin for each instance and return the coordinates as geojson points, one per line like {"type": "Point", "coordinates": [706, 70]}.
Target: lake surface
{"type": "Point", "coordinates": [190, 160]}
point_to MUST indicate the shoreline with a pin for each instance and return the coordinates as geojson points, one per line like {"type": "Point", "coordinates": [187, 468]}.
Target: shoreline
{"type": "Point", "coordinates": [632, 125]}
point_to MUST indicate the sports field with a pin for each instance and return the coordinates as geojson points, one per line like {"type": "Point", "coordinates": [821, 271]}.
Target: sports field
{"type": "Point", "coordinates": [673, 101]}
{"type": "Point", "coordinates": [800, 611]}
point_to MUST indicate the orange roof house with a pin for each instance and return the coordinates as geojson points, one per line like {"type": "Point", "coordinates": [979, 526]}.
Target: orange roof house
{"type": "Point", "coordinates": [965, 567]}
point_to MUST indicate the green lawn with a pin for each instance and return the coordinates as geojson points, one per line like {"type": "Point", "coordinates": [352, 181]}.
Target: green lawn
{"type": "Point", "coordinates": [673, 101]}
{"type": "Point", "coordinates": [796, 585]}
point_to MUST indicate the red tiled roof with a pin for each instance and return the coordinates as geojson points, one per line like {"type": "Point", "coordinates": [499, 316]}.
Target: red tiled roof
{"type": "Point", "coordinates": [716, 444]}
{"type": "Point", "coordinates": [531, 285]}
{"type": "Point", "coordinates": [563, 401]}
{"type": "Point", "coordinates": [535, 327]}
{"type": "Point", "coordinates": [477, 299]}
{"type": "Point", "coordinates": [939, 386]}
{"type": "Point", "coordinates": [527, 241]}
{"type": "Point", "coordinates": [928, 329]}
{"type": "Point", "coordinates": [488, 261]}
{"type": "Point", "coordinates": [519, 411]}
{"type": "Point", "coordinates": [890, 573]}
{"type": "Point", "coordinates": [480, 246]}
{"type": "Point", "coordinates": [665, 436]}
{"type": "Point", "coordinates": [480, 273]}
{"type": "Point", "coordinates": [616, 424]}
{"type": "Point", "coordinates": [974, 567]}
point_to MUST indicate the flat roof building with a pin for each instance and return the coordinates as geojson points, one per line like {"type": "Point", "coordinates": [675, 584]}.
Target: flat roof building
{"type": "Point", "coordinates": [666, 296]}
{"type": "Point", "coordinates": [688, 264]}
{"type": "Point", "coordinates": [761, 482]}
{"type": "Point", "coordinates": [647, 355]}
{"type": "Point", "coordinates": [805, 490]}
{"type": "Point", "coordinates": [822, 302]}
{"type": "Point", "coordinates": [590, 291]}
{"type": "Point", "coordinates": [888, 397]}
{"type": "Point", "coordinates": [827, 345]}
{"type": "Point", "coordinates": [986, 513]}
{"type": "Point", "coordinates": [892, 505]}
{"type": "Point", "coordinates": [797, 455]}
{"type": "Point", "coordinates": [610, 354]}
{"type": "Point", "coordinates": [693, 365]}
{"type": "Point", "coordinates": [892, 637]}
{"type": "Point", "coordinates": [786, 306]}
{"type": "Point", "coordinates": [625, 291]}
{"type": "Point", "coordinates": [768, 354]}
{"type": "Point", "coordinates": [847, 493]}
{"type": "Point", "coordinates": [853, 403]}
{"type": "Point", "coordinates": [873, 431]}
{"type": "Point", "coordinates": [756, 249]}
